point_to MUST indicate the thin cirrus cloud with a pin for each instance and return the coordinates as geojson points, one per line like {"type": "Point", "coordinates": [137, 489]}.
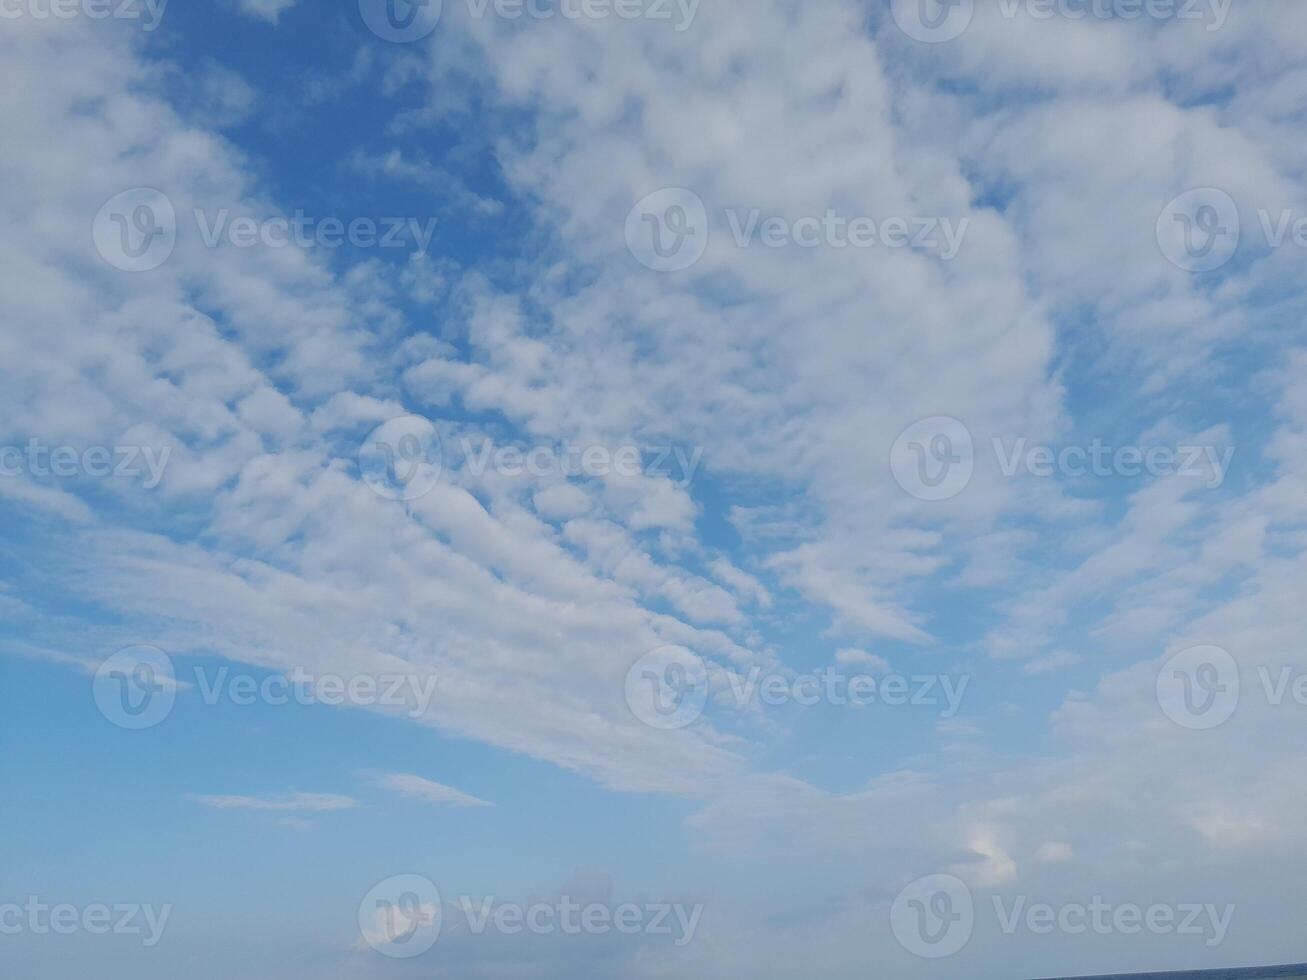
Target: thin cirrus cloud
{"type": "Point", "coordinates": [286, 803]}
{"type": "Point", "coordinates": [418, 788]}
{"type": "Point", "coordinates": [269, 11]}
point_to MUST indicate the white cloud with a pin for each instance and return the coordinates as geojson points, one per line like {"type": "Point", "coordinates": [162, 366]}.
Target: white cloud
{"type": "Point", "coordinates": [288, 803]}
{"type": "Point", "coordinates": [423, 789]}
{"type": "Point", "coordinates": [269, 11]}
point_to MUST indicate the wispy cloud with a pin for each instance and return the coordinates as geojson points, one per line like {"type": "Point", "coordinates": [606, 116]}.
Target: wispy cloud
{"type": "Point", "coordinates": [269, 11]}
{"type": "Point", "coordinates": [419, 788]}
{"type": "Point", "coordinates": [285, 803]}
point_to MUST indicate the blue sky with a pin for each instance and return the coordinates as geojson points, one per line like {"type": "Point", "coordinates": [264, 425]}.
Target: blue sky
{"type": "Point", "coordinates": [640, 392]}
